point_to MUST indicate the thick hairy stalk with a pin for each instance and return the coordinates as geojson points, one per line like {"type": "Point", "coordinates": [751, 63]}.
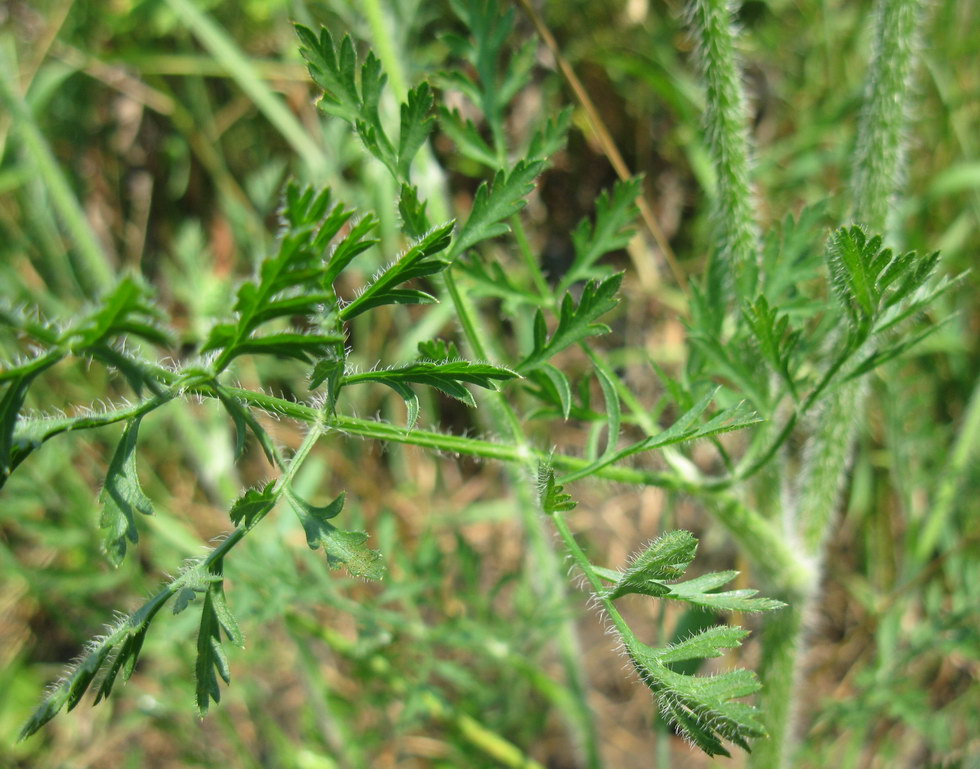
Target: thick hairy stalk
{"type": "Point", "coordinates": [879, 163]}
{"type": "Point", "coordinates": [725, 122]}
{"type": "Point", "coordinates": [878, 171]}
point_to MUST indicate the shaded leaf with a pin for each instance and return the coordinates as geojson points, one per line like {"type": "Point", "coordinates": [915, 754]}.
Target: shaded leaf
{"type": "Point", "coordinates": [122, 497]}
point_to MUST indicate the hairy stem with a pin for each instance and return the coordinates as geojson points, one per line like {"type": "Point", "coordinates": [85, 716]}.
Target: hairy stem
{"type": "Point", "coordinates": [878, 170]}
{"type": "Point", "coordinates": [725, 122]}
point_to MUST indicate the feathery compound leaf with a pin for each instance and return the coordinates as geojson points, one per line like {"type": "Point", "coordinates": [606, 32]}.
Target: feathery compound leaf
{"type": "Point", "coordinates": [704, 709]}
{"type": "Point", "coordinates": [419, 261]}
{"type": "Point", "coordinates": [121, 311]}
{"type": "Point", "coordinates": [122, 497]}
{"type": "Point", "coordinates": [119, 647]}
{"type": "Point", "coordinates": [613, 230]}
{"type": "Point", "coordinates": [296, 281]}
{"type": "Point", "coordinates": [495, 203]}
{"type": "Point", "coordinates": [776, 341]}
{"type": "Point", "coordinates": [353, 94]}
{"type": "Point", "coordinates": [342, 548]}
{"type": "Point", "coordinates": [869, 280]}
{"type": "Point", "coordinates": [553, 496]}
{"type": "Point", "coordinates": [575, 322]}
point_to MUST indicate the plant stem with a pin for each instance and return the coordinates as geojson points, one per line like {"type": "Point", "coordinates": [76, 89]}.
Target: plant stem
{"type": "Point", "coordinates": [879, 163]}
{"type": "Point", "coordinates": [554, 582]}
{"type": "Point", "coordinates": [725, 122]}
{"type": "Point", "coordinates": [827, 454]}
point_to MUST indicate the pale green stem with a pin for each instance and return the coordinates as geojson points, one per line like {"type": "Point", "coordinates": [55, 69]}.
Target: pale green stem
{"type": "Point", "coordinates": [879, 168]}
{"type": "Point", "coordinates": [879, 162]}
{"type": "Point", "coordinates": [725, 122]}
{"type": "Point", "coordinates": [531, 260]}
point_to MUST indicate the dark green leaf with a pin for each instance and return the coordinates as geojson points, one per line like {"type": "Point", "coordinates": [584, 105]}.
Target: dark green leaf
{"type": "Point", "coordinates": [253, 505]}
{"type": "Point", "coordinates": [420, 260]}
{"type": "Point", "coordinates": [494, 204]}
{"type": "Point", "coordinates": [575, 322]}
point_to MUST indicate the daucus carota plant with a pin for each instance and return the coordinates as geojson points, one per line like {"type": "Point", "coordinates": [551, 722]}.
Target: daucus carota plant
{"type": "Point", "coordinates": [519, 327]}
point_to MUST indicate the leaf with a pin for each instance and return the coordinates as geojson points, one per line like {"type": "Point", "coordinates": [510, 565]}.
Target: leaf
{"type": "Point", "coordinates": [495, 203]}
{"type": "Point", "coordinates": [10, 406]}
{"type": "Point", "coordinates": [882, 356]}
{"type": "Point", "coordinates": [353, 94]}
{"type": "Point", "coordinates": [330, 369]}
{"type": "Point", "coordinates": [553, 496]}
{"type": "Point", "coordinates": [253, 505]}
{"type": "Point", "coordinates": [211, 658]}
{"type": "Point", "coordinates": [242, 418]}
{"type": "Point", "coordinates": [333, 71]}
{"type": "Point", "coordinates": [121, 311]}
{"type": "Point", "coordinates": [613, 230]}
{"type": "Point", "coordinates": [775, 340]}
{"type": "Point", "coordinates": [612, 411]}
{"type": "Point", "coordinates": [702, 708]}
{"type": "Point", "coordinates": [667, 557]}
{"type": "Point", "coordinates": [415, 221]}
{"type": "Point", "coordinates": [554, 387]}
{"type": "Point", "coordinates": [342, 548]}
{"type": "Point", "coordinates": [446, 376]}
{"type": "Point", "coordinates": [122, 497]}
{"type": "Point", "coordinates": [297, 281]}
{"type": "Point", "coordinates": [116, 651]}
{"type": "Point", "coordinates": [684, 429]}
{"type": "Point", "coordinates": [466, 136]}
{"type": "Point", "coordinates": [869, 280]}
{"type": "Point", "coordinates": [575, 322]}
{"type": "Point", "coordinates": [489, 278]}
{"type": "Point", "coordinates": [415, 127]}
{"type": "Point", "coordinates": [417, 262]}
{"type": "Point", "coordinates": [695, 591]}
{"type": "Point", "coordinates": [550, 137]}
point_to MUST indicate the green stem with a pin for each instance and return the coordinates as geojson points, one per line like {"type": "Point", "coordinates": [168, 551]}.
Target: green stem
{"type": "Point", "coordinates": [567, 640]}
{"type": "Point", "coordinates": [879, 167]}
{"type": "Point", "coordinates": [583, 562]}
{"type": "Point", "coordinates": [530, 260]}
{"type": "Point", "coordinates": [726, 120]}
{"type": "Point", "coordinates": [382, 39]}
{"type": "Point", "coordinates": [879, 162]}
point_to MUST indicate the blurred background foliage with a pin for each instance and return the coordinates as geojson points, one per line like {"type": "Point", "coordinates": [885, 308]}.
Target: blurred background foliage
{"type": "Point", "coordinates": [170, 125]}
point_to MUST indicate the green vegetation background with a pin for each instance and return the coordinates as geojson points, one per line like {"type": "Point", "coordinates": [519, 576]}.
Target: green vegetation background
{"type": "Point", "coordinates": [175, 142]}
